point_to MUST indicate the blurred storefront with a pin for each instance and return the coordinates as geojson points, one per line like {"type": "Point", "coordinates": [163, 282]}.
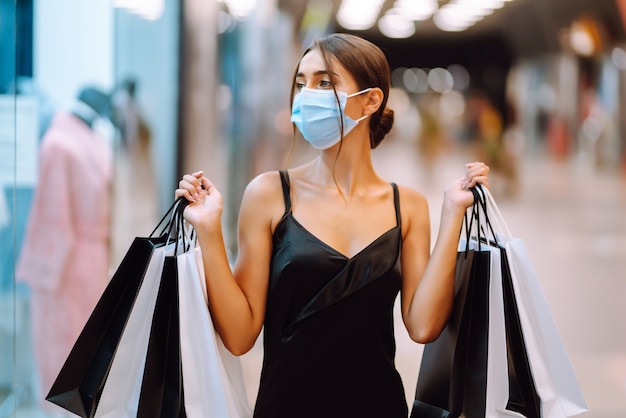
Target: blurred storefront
{"type": "Point", "coordinates": [204, 85]}
{"type": "Point", "coordinates": [52, 53]}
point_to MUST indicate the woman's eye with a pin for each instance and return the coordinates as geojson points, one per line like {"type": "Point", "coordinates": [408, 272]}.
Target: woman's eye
{"type": "Point", "coordinates": [326, 84]}
{"type": "Point", "coordinates": [299, 86]}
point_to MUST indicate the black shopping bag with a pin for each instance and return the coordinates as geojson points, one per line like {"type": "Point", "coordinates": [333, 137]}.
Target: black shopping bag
{"type": "Point", "coordinates": [453, 371]}
{"type": "Point", "coordinates": [80, 381]}
{"type": "Point", "coordinates": [161, 393]}
{"type": "Point", "coordinates": [523, 397]}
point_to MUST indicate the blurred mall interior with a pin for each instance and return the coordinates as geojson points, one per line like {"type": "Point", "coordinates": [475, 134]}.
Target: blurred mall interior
{"type": "Point", "coordinates": [535, 88]}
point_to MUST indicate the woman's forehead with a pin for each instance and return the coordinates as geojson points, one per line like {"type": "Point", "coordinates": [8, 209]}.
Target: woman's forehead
{"type": "Point", "coordinates": [312, 62]}
{"type": "Point", "coordinates": [312, 66]}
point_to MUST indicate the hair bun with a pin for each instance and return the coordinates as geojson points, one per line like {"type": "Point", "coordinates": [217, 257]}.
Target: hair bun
{"type": "Point", "coordinates": [381, 127]}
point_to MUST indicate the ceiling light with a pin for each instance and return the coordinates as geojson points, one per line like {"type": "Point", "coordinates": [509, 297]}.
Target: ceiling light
{"type": "Point", "coordinates": [458, 15]}
{"type": "Point", "coordinates": [417, 9]}
{"type": "Point", "coordinates": [460, 75]}
{"type": "Point", "coordinates": [484, 4]}
{"type": "Point", "coordinates": [358, 14]}
{"type": "Point", "coordinates": [449, 19]}
{"type": "Point", "coordinates": [410, 80]}
{"type": "Point", "coordinates": [395, 25]}
{"type": "Point", "coordinates": [440, 80]}
{"type": "Point", "coordinates": [422, 80]}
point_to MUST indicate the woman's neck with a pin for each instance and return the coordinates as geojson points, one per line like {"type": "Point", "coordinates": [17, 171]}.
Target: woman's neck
{"type": "Point", "coordinates": [348, 166]}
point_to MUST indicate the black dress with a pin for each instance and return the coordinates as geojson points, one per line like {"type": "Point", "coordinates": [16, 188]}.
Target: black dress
{"type": "Point", "coordinates": [329, 332]}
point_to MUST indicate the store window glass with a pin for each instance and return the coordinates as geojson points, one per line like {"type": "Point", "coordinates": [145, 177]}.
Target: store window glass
{"type": "Point", "coordinates": [19, 124]}
{"type": "Point", "coordinates": [88, 107]}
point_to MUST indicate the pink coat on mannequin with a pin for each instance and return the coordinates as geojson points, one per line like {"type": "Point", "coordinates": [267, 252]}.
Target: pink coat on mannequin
{"type": "Point", "coordinates": [65, 255]}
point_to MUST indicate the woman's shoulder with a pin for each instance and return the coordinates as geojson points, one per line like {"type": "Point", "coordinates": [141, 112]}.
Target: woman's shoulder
{"type": "Point", "coordinates": [263, 200]}
{"type": "Point", "coordinates": [266, 185]}
{"type": "Point", "coordinates": [413, 208]}
{"type": "Point", "coordinates": [411, 197]}
{"type": "Point", "coordinates": [264, 196]}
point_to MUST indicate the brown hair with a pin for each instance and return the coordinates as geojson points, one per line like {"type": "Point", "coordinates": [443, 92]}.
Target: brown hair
{"type": "Point", "coordinates": [369, 67]}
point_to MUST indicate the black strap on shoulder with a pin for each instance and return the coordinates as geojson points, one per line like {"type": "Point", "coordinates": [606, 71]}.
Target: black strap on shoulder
{"type": "Point", "coordinates": [284, 179]}
{"type": "Point", "coordinates": [396, 203]}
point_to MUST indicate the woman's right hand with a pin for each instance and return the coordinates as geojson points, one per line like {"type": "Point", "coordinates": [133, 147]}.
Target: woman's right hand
{"type": "Point", "coordinates": [205, 201]}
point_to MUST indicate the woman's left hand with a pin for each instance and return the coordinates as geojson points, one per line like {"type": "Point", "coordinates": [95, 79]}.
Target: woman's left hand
{"type": "Point", "coordinates": [458, 194]}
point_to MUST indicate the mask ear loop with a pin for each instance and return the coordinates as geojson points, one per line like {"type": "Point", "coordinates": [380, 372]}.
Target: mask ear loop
{"type": "Point", "coordinates": [359, 92]}
{"type": "Point", "coordinates": [356, 94]}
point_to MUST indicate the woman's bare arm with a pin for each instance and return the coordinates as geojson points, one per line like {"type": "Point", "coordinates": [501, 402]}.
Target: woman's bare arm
{"type": "Point", "coordinates": [428, 278]}
{"type": "Point", "coordinates": [237, 297]}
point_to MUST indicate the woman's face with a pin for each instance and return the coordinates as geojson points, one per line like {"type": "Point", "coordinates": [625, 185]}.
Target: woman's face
{"type": "Point", "coordinates": [312, 73]}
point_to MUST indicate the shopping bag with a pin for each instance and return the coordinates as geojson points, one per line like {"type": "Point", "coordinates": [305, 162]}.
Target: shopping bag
{"type": "Point", "coordinates": [522, 393]}
{"type": "Point", "coordinates": [161, 391]}
{"type": "Point", "coordinates": [212, 376]}
{"type": "Point", "coordinates": [80, 381]}
{"type": "Point", "coordinates": [507, 393]}
{"type": "Point", "coordinates": [554, 378]}
{"type": "Point", "coordinates": [120, 395]}
{"type": "Point", "coordinates": [453, 372]}
{"type": "Point", "coordinates": [484, 389]}
{"type": "Point", "coordinates": [510, 390]}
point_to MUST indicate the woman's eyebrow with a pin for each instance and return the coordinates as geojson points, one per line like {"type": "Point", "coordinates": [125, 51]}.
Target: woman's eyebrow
{"type": "Point", "coordinates": [318, 73]}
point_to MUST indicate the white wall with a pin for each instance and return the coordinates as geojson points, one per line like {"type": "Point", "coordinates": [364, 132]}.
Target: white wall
{"type": "Point", "coordinates": [73, 46]}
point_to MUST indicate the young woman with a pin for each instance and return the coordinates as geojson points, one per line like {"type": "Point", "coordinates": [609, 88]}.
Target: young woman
{"type": "Point", "coordinates": [324, 249]}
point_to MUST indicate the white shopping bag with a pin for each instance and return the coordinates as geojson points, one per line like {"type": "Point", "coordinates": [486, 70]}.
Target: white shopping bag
{"type": "Point", "coordinates": [553, 375]}
{"type": "Point", "coordinates": [212, 377]}
{"type": "Point", "coordinates": [120, 396]}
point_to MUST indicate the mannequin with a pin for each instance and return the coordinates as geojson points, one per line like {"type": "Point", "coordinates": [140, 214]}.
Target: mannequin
{"type": "Point", "coordinates": [65, 254]}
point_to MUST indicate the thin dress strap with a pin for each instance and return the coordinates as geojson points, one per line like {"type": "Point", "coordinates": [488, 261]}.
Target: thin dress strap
{"type": "Point", "coordinates": [284, 179]}
{"type": "Point", "coordinates": [396, 203]}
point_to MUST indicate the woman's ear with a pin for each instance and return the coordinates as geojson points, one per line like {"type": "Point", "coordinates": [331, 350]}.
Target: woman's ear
{"type": "Point", "coordinates": [373, 100]}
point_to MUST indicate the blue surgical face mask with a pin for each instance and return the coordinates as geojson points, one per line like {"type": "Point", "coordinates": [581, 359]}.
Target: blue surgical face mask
{"type": "Point", "coordinates": [317, 116]}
